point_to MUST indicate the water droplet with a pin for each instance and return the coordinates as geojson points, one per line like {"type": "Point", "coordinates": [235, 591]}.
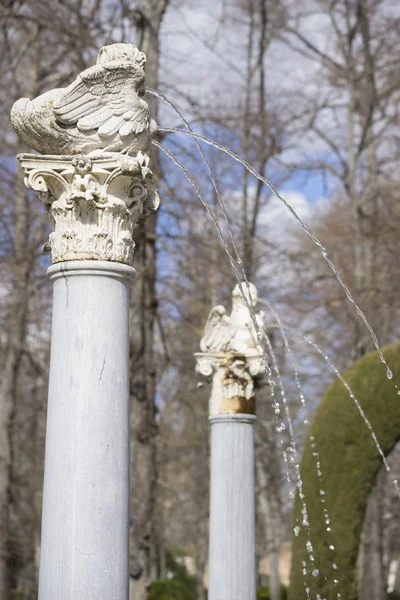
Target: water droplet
{"type": "Point", "coordinates": [331, 547]}
{"type": "Point", "coordinates": [336, 581]}
{"type": "Point", "coordinates": [303, 563]}
{"type": "Point", "coordinates": [315, 573]}
{"type": "Point", "coordinates": [389, 374]}
{"type": "Point", "coordinates": [304, 571]}
{"type": "Point", "coordinates": [334, 566]}
{"type": "Point", "coordinates": [296, 531]}
{"type": "Point", "coordinates": [328, 529]}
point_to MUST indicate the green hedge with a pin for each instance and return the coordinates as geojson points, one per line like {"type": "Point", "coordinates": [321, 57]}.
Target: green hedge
{"type": "Point", "coordinates": [349, 463]}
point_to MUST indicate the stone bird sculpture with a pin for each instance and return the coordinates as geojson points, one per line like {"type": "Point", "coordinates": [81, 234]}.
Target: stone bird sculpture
{"type": "Point", "coordinates": [101, 111]}
{"type": "Point", "coordinates": [234, 332]}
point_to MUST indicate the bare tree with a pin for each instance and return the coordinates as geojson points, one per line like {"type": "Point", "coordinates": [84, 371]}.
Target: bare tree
{"type": "Point", "coordinates": [147, 18]}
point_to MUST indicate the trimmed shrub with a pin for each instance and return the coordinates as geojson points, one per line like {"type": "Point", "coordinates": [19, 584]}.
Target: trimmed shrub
{"type": "Point", "coordinates": [349, 463]}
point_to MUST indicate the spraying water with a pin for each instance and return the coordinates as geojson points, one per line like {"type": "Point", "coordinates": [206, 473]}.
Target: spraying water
{"type": "Point", "coordinates": [261, 336]}
{"type": "Point", "coordinates": [311, 235]}
{"type": "Point", "coordinates": [235, 260]}
{"type": "Point", "coordinates": [352, 396]}
{"type": "Point", "coordinates": [315, 571]}
{"type": "Point", "coordinates": [248, 299]}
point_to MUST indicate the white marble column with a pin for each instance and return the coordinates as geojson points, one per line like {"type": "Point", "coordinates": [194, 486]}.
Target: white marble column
{"type": "Point", "coordinates": [94, 180]}
{"type": "Point", "coordinates": [233, 358]}
{"type": "Point", "coordinates": [94, 204]}
{"type": "Point", "coordinates": [232, 553]}
{"type": "Point", "coordinates": [85, 525]}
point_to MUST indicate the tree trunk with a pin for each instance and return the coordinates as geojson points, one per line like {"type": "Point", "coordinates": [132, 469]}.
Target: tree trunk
{"type": "Point", "coordinates": [148, 18]}
{"type": "Point", "coordinates": [201, 562]}
{"type": "Point", "coordinates": [269, 510]}
{"type": "Point", "coordinates": [15, 339]}
{"type": "Point", "coordinates": [371, 568]}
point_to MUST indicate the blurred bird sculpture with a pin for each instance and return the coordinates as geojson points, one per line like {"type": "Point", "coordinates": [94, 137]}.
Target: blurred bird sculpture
{"type": "Point", "coordinates": [235, 332]}
{"type": "Point", "coordinates": [101, 111]}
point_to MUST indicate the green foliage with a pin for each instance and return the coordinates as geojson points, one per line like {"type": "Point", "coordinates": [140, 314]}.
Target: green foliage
{"type": "Point", "coordinates": [169, 590]}
{"type": "Point", "coordinates": [263, 593]}
{"type": "Point", "coordinates": [349, 463]}
{"type": "Point", "coordinates": [180, 586]}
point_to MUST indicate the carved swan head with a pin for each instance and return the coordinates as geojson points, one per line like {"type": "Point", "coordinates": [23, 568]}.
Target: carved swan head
{"type": "Point", "coordinates": [124, 52]}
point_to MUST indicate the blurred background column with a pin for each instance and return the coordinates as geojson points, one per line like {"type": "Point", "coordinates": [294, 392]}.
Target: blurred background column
{"type": "Point", "coordinates": [233, 357]}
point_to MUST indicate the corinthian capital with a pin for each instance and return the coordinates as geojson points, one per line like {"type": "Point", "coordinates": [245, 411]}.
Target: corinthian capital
{"type": "Point", "coordinates": [94, 202]}
{"type": "Point", "coordinates": [231, 353]}
{"type": "Point", "coordinates": [233, 380]}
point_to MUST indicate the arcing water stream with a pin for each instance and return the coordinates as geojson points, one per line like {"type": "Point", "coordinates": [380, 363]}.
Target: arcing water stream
{"type": "Point", "coordinates": [313, 237]}
{"type": "Point", "coordinates": [236, 263]}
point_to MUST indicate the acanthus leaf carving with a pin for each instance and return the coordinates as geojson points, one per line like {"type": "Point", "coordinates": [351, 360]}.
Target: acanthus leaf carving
{"type": "Point", "coordinates": [95, 203]}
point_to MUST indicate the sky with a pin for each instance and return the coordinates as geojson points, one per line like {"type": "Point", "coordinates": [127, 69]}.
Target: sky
{"type": "Point", "coordinates": [203, 50]}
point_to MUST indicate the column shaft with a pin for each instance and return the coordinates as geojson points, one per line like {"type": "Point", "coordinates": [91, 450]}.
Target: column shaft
{"type": "Point", "coordinates": [232, 565]}
{"type": "Point", "coordinates": [85, 522]}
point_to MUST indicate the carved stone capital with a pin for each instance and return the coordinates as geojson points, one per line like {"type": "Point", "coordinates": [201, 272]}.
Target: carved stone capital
{"type": "Point", "coordinates": [233, 377]}
{"type": "Point", "coordinates": [94, 202]}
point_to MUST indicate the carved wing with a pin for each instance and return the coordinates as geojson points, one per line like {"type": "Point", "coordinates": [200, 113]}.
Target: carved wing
{"type": "Point", "coordinates": [217, 332]}
{"type": "Point", "coordinates": [104, 100]}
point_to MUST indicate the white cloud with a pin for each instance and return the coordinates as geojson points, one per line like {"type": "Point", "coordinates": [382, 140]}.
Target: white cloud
{"type": "Point", "coordinates": [277, 222]}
